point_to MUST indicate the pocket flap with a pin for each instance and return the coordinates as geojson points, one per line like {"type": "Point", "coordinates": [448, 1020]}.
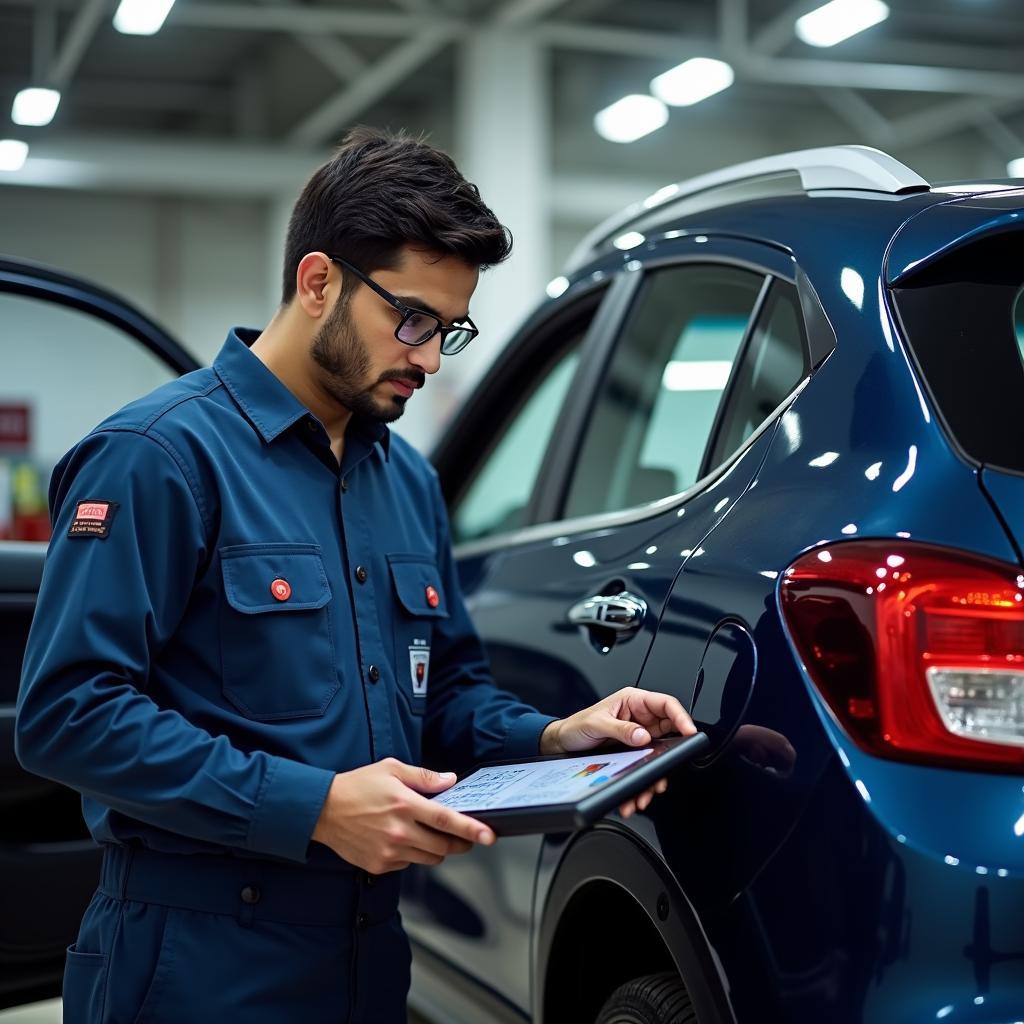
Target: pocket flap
{"type": "Point", "coordinates": [274, 577]}
{"type": "Point", "coordinates": [418, 585]}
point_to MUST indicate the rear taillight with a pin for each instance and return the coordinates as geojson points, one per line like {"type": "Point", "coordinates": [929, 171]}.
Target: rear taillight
{"type": "Point", "coordinates": [918, 651]}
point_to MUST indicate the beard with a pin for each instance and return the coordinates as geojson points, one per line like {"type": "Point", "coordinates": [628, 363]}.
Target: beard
{"type": "Point", "coordinates": [345, 364]}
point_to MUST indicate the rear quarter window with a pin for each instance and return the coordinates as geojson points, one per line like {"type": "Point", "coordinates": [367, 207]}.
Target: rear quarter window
{"type": "Point", "coordinates": [963, 320]}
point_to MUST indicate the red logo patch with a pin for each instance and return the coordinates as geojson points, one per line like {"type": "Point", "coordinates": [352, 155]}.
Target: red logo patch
{"type": "Point", "coordinates": [93, 518]}
{"type": "Point", "coordinates": [433, 598]}
{"type": "Point", "coordinates": [92, 510]}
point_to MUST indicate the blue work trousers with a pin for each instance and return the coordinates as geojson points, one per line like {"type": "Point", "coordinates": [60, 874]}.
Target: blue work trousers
{"type": "Point", "coordinates": [179, 939]}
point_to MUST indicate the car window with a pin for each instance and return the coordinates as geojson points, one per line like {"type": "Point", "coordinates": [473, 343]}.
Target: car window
{"type": "Point", "coordinates": [63, 372]}
{"type": "Point", "coordinates": [498, 496]}
{"type": "Point", "coordinates": [654, 412]}
{"type": "Point", "coordinates": [774, 363]}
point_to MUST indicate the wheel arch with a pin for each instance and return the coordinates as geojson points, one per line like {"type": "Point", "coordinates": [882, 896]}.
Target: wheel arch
{"type": "Point", "coordinates": [613, 912]}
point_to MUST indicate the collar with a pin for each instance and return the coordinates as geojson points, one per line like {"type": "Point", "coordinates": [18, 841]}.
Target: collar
{"type": "Point", "coordinates": [268, 405]}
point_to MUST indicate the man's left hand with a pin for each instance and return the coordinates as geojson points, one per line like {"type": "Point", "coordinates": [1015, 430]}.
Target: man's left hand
{"type": "Point", "coordinates": [631, 716]}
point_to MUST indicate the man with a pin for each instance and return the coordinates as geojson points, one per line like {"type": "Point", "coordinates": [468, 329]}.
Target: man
{"type": "Point", "coordinates": [250, 619]}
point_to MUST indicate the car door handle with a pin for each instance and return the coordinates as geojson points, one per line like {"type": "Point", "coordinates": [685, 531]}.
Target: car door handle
{"type": "Point", "coordinates": [623, 613]}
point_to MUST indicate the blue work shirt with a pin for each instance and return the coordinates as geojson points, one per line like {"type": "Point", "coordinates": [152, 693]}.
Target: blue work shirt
{"type": "Point", "coordinates": [227, 618]}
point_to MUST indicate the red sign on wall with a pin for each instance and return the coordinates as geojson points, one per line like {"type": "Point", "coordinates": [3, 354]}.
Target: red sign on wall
{"type": "Point", "coordinates": [15, 426]}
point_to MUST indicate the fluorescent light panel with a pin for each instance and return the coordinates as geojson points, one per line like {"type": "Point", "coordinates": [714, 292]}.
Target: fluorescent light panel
{"type": "Point", "coordinates": [13, 153]}
{"type": "Point", "coordinates": [630, 118]}
{"type": "Point", "coordinates": [141, 17]}
{"type": "Point", "coordinates": [696, 375]}
{"type": "Point", "coordinates": [1015, 168]}
{"type": "Point", "coordinates": [692, 81]}
{"type": "Point", "coordinates": [35, 107]}
{"type": "Point", "coordinates": [839, 20]}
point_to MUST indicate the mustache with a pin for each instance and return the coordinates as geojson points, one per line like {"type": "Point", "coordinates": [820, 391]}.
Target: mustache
{"type": "Point", "coordinates": [414, 380]}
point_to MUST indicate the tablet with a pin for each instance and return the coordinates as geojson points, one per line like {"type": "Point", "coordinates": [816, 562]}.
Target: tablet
{"type": "Point", "coordinates": [566, 792]}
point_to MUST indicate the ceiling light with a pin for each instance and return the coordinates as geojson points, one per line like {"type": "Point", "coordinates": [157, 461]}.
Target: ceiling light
{"type": "Point", "coordinates": [141, 17]}
{"type": "Point", "coordinates": [696, 375]}
{"type": "Point", "coordinates": [692, 81]}
{"type": "Point", "coordinates": [630, 118]}
{"type": "Point", "coordinates": [35, 107]}
{"type": "Point", "coordinates": [839, 20]}
{"type": "Point", "coordinates": [12, 154]}
{"type": "Point", "coordinates": [1015, 168]}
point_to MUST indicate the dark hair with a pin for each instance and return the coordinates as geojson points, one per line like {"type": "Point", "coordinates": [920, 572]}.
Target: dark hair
{"type": "Point", "coordinates": [384, 190]}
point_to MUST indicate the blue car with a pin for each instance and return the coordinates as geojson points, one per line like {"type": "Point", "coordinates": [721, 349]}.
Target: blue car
{"type": "Point", "coordinates": [761, 449]}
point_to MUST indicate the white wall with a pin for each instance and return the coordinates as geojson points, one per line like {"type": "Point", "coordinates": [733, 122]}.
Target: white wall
{"type": "Point", "coordinates": [196, 266]}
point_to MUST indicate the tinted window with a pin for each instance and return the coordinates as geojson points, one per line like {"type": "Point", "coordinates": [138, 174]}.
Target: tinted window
{"type": "Point", "coordinates": [963, 320]}
{"type": "Point", "coordinates": [63, 372]}
{"type": "Point", "coordinates": [656, 407]}
{"type": "Point", "coordinates": [499, 494]}
{"type": "Point", "coordinates": [773, 364]}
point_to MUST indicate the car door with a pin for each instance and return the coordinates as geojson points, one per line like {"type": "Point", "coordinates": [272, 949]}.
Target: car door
{"type": "Point", "coordinates": [70, 354]}
{"type": "Point", "coordinates": [567, 597]}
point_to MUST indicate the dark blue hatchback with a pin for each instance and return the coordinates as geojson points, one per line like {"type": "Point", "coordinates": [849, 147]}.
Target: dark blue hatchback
{"type": "Point", "coordinates": [763, 450]}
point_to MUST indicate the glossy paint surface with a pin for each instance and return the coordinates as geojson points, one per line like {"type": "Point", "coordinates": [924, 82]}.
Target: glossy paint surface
{"type": "Point", "coordinates": [829, 885]}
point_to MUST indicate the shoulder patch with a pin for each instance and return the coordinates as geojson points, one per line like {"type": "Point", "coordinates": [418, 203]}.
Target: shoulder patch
{"type": "Point", "coordinates": [93, 518]}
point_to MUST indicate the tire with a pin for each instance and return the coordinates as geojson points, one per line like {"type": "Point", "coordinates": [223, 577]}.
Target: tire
{"type": "Point", "coordinates": [652, 999]}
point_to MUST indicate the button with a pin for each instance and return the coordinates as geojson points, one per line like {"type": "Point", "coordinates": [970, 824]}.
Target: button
{"type": "Point", "coordinates": [433, 597]}
{"type": "Point", "coordinates": [362, 920]}
{"type": "Point", "coordinates": [344, 485]}
{"type": "Point", "coordinates": [281, 589]}
{"type": "Point", "coordinates": [250, 894]}
{"type": "Point", "coordinates": [373, 673]}
{"type": "Point", "coordinates": [312, 425]}
{"type": "Point", "coordinates": [368, 881]}
{"type": "Point", "coordinates": [361, 574]}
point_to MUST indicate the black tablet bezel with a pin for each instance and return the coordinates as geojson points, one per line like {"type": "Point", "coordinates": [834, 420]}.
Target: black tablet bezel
{"type": "Point", "coordinates": [669, 753]}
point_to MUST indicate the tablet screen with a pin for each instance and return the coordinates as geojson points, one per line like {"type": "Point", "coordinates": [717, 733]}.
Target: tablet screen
{"type": "Point", "coordinates": [537, 783]}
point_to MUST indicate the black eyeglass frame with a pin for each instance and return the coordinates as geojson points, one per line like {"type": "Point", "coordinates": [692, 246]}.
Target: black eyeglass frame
{"type": "Point", "coordinates": [469, 328]}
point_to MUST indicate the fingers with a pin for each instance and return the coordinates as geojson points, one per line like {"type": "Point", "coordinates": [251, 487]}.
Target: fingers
{"type": "Point", "coordinates": [643, 800]}
{"type": "Point", "coordinates": [444, 819]}
{"type": "Point", "coordinates": [657, 709]}
{"type": "Point", "coordinates": [423, 780]}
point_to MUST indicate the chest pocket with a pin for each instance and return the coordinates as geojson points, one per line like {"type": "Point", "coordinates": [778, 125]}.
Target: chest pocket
{"type": "Point", "coordinates": [277, 652]}
{"type": "Point", "coordinates": [420, 605]}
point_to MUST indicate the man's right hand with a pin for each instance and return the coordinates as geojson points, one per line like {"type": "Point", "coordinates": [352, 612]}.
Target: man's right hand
{"type": "Point", "coordinates": [378, 818]}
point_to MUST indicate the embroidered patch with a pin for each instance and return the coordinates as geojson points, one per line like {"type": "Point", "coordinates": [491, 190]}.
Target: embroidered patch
{"type": "Point", "coordinates": [419, 668]}
{"type": "Point", "coordinates": [93, 518]}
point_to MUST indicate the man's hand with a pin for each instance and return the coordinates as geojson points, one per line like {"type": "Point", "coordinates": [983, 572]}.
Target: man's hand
{"type": "Point", "coordinates": [376, 818]}
{"type": "Point", "coordinates": [631, 716]}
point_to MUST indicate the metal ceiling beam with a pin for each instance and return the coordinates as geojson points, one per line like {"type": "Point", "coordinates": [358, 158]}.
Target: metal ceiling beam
{"type": "Point", "coordinates": [44, 41]}
{"type": "Point", "coordinates": [290, 19]}
{"type": "Point", "coordinates": [524, 12]}
{"type": "Point", "coordinates": [871, 126]}
{"type": "Point", "coordinates": [777, 33]}
{"type": "Point", "coordinates": [338, 111]}
{"type": "Point", "coordinates": [567, 35]}
{"type": "Point", "coordinates": [76, 42]}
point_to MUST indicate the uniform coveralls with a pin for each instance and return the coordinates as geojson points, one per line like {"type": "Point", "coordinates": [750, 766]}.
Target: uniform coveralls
{"type": "Point", "coordinates": [227, 618]}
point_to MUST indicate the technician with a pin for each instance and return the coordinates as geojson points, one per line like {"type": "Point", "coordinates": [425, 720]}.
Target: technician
{"type": "Point", "coordinates": [249, 622]}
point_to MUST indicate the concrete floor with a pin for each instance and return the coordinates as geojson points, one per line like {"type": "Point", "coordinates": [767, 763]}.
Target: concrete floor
{"type": "Point", "coordinates": [37, 1013]}
{"type": "Point", "coordinates": [50, 1013]}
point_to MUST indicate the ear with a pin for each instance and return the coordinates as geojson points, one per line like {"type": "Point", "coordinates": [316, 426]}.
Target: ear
{"type": "Point", "coordinates": [317, 284]}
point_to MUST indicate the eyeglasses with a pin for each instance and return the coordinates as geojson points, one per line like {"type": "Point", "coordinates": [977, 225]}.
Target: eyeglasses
{"type": "Point", "coordinates": [418, 327]}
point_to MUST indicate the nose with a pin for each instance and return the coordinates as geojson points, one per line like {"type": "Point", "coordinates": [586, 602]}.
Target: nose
{"type": "Point", "coordinates": [427, 357]}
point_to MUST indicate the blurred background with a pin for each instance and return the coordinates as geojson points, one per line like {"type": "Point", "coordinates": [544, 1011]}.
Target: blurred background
{"type": "Point", "coordinates": [156, 147]}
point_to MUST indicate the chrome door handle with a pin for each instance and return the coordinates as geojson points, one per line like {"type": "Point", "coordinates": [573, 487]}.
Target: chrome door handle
{"type": "Point", "coordinates": [623, 613]}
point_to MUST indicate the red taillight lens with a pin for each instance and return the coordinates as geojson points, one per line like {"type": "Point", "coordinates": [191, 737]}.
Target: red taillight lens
{"type": "Point", "coordinates": [919, 651]}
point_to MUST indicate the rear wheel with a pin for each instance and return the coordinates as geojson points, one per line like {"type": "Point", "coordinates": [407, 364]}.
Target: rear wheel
{"type": "Point", "coordinates": [652, 999]}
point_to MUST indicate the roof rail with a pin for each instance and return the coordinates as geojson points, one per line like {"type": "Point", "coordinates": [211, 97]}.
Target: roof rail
{"type": "Point", "coordinates": [829, 167]}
